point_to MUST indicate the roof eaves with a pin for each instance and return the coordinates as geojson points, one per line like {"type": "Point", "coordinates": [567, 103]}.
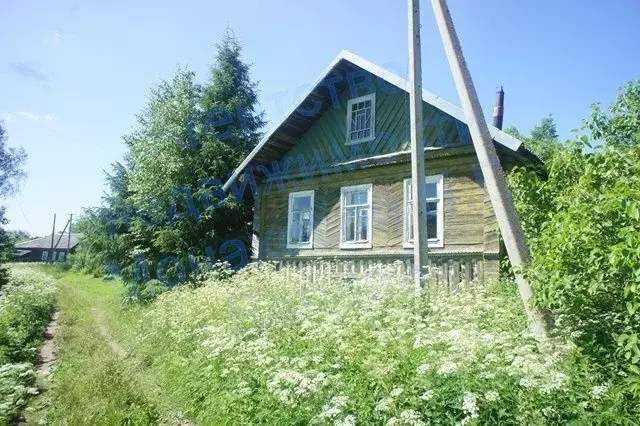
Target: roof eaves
{"type": "Point", "coordinates": [431, 98]}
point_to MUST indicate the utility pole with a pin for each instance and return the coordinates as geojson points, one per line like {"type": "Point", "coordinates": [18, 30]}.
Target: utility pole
{"type": "Point", "coordinates": [69, 237]}
{"type": "Point", "coordinates": [418, 189]}
{"type": "Point", "coordinates": [53, 234]}
{"type": "Point", "coordinates": [495, 182]}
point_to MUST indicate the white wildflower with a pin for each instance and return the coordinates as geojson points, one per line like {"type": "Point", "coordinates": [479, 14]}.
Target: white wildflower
{"type": "Point", "coordinates": [396, 392]}
{"type": "Point", "coordinates": [491, 396]}
{"type": "Point", "coordinates": [470, 404]}
{"type": "Point", "coordinates": [384, 404]}
{"type": "Point", "coordinates": [447, 368]}
{"type": "Point", "coordinates": [526, 383]}
{"type": "Point", "coordinates": [340, 401]}
{"type": "Point", "coordinates": [330, 412]}
{"type": "Point", "coordinates": [412, 418]}
{"type": "Point", "coordinates": [349, 420]}
{"type": "Point", "coordinates": [599, 391]}
{"type": "Point", "coordinates": [423, 368]}
{"type": "Point", "coordinates": [427, 395]}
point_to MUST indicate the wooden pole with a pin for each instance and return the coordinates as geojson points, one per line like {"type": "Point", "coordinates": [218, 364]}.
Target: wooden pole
{"type": "Point", "coordinates": [495, 182]}
{"type": "Point", "coordinates": [53, 234]}
{"type": "Point", "coordinates": [69, 238]}
{"type": "Point", "coordinates": [418, 185]}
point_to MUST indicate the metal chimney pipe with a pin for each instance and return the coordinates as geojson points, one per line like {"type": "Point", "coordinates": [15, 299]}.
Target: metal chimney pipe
{"type": "Point", "coordinates": [498, 110]}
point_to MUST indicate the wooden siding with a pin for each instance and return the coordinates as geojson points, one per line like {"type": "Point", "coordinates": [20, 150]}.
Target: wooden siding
{"type": "Point", "coordinates": [464, 210]}
{"type": "Point", "coordinates": [325, 139]}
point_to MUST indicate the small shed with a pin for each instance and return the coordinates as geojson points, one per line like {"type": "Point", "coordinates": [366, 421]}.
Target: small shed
{"type": "Point", "coordinates": [39, 249]}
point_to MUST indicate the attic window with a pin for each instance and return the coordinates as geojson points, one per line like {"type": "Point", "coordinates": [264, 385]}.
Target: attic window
{"type": "Point", "coordinates": [361, 117]}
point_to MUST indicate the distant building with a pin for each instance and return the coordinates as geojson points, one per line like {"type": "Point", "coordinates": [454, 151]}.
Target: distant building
{"type": "Point", "coordinates": [39, 249]}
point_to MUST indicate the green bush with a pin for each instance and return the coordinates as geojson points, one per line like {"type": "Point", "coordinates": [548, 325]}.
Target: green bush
{"type": "Point", "coordinates": [583, 226]}
{"type": "Point", "coordinates": [266, 347]}
{"type": "Point", "coordinates": [16, 385]}
{"type": "Point", "coordinates": [26, 306]}
{"type": "Point", "coordinates": [586, 253]}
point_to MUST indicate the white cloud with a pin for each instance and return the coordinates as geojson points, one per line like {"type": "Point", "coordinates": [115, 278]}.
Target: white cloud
{"type": "Point", "coordinates": [31, 116]}
{"type": "Point", "coordinates": [27, 115]}
{"type": "Point", "coordinates": [8, 117]}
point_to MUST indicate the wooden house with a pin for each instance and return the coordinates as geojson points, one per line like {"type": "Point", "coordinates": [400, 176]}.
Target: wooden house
{"type": "Point", "coordinates": [331, 180]}
{"type": "Point", "coordinates": [39, 249]}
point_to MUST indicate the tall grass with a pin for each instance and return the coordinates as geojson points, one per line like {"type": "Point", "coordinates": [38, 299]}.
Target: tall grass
{"type": "Point", "coordinates": [26, 306]}
{"type": "Point", "coordinates": [266, 347]}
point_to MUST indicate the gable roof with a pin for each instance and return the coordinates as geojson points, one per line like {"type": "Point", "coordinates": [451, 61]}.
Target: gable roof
{"type": "Point", "coordinates": [284, 134]}
{"type": "Point", "coordinates": [45, 242]}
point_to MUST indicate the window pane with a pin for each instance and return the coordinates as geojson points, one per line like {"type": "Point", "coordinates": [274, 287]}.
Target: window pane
{"type": "Point", "coordinates": [432, 225]}
{"type": "Point", "coordinates": [357, 197]}
{"type": "Point", "coordinates": [294, 236]}
{"type": "Point", "coordinates": [302, 202]}
{"type": "Point", "coordinates": [409, 221]}
{"type": "Point", "coordinates": [432, 190]}
{"type": "Point", "coordinates": [363, 223]}
{"type": "Point", "coordinates": [360, 120]}
{"type": "Point", "coordinates": [305, 232]}
{"type": "Point", "coordinates": [432, 207]}
{"type": "Point", "coordinates": [350, 226]}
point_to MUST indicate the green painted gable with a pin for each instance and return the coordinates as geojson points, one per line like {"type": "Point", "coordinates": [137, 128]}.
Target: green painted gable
{"type": "Point", "coordinates": [325, 141]}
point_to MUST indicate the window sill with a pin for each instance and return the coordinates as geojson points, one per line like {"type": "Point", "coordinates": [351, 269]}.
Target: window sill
{"type": "Point", "coordinates": [347, 246]}
{"type": "Point", "coordinates": [369, 139]}
{"type": "Point", "coordinates": [431, 244]}
{"type": "Point", "coordinates": [300, 246]}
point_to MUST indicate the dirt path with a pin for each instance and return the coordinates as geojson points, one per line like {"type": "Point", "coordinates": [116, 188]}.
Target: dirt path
{"type": "Point", "coordinates": [46, 353]}
{"type": "Point", "coordinates": [99, 316]}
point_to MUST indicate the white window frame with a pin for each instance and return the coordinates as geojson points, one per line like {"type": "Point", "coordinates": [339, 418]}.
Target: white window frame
{"type": "Point", "coordinates": [372, 98]}
{"type": "Point", "coordinates": [356, 244]}
{"type": "Point", "coordinates": [293, 195]}
{"type": "Point", "coordinates": [437, 242]}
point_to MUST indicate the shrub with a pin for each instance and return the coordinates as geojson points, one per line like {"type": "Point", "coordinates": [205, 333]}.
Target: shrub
{"type": "Point", "coordinates": [16, 385]}
{"type": "Point", "coordinates": [586, 262]}
{"type": "Point", "coordinates": [268, 347]}
{"type": "Point", "coordinates": [26, 306]}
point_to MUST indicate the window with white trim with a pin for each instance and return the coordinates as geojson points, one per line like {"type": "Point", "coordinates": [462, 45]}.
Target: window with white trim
{"type": "Point", "coordinates": [45, 255]}
{"type": "Point", "coordinates": [361, 117]}
{"type": "Point", "coordinates": [300, 223]}
{"type": "Point", "coordinates": [435, 211]}
{"type": "Point", "coordinates": [355, 216]}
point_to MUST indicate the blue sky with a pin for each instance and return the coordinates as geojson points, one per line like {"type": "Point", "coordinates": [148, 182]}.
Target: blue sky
{"type": "Point", "coordinates": [74, 74]}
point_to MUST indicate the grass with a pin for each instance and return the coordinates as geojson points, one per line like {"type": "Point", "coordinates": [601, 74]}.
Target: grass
{"type": "Point", "coordinates": [97, 378]}
{"type": "Point", "coordinates": [266, 348]}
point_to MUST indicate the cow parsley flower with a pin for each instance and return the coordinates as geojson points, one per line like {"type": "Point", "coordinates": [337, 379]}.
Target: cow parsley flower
{"type": "Point", "coordinates": [491, 396]}
{"type": "Point", "coordinates": [447, 368]}
{"type": "Point", "coordinates": [349, 420]}
{"type": "Point", "coordinates": [396, 392]}
{"type": "Point", "coordinates": [427, 395]}
{"type": "Point", "coordinates": [412, 418]}
{"type": "Point", "coordinates": [470, 404]}
{"type": "Point", "coordinates": [423, 368]}
{"type": "Point", "coordinates": [599, 391]}
{"type": "Point", "coordinates": [384, 405]}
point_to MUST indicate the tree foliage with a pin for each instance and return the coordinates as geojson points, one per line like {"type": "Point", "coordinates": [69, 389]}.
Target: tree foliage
{"type": "Point", "coordinates": [583, 227]}
{"type": "Point", "coordinates": [11, 174]}
{"type": "Point", "coordinates": [11, 163]}
{"type": "Point", "coordinates": [165, 199]}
